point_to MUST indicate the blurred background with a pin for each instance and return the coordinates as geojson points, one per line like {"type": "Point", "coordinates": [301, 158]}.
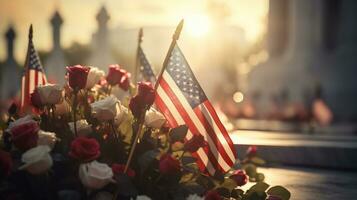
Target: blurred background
{"type": "Point", "coordinates": [257, 59]}
{"type": "Point", "coordinates": [282, 72]}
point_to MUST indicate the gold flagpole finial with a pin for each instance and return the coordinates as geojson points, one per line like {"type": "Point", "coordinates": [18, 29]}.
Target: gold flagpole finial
{"type": "Point", "coordinates": [30, 32]}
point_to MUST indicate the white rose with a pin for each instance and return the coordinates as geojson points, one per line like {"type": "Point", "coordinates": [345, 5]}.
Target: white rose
{"type": "Point", "coordinates": [46, 138]}
{"type": "Point", "coordinates": [154, 118]}
{"type": "Point", "coordinates": [105, 109]}
{"type": "Point", "coordinates": [20, 121]}
{"type": "Point", "coordinates": [122, 113]}
{"type": "Point", "coordinates": [83, 128]}
{"type": "Point", "coordinates": [95, 175]}
{"type": "Point", "coordinates": [194, 197]}
{"type": "Point", "coordinates": [37, 160]}
{"type": "Point", "coordinates": [142, 197]}
{"type": "Point", "coordinates": [94, 77]}
{"type": "Point", "coordinates": [50, 94]}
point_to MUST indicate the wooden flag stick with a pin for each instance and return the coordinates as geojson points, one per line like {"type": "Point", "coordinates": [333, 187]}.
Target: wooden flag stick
{"type": "Point", "coordinates": [175, 37]}
{"type": "Point", "coordinates": [140, 39]}
{"type": "Point", "coordinates": [141, 119]}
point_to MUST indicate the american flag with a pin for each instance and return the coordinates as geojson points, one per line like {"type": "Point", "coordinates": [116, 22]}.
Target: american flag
{"type": "Point", "coordinates": [145, 67]}
{"type": "Point", "coordinates": [181, 99]}
{"type": "Point", "coordinates": [33, 74]}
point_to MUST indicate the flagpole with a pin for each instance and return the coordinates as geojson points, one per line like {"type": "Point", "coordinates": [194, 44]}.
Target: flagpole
{"type": "Point", "coordinates": [175, 37]}
{"type": "Point", "coordinates": [140, 39]}
{"type": "Point", "coordinates": [22, 109]}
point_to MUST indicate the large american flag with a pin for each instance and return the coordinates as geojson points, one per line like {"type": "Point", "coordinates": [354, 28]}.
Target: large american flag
{"type": "Point", "coordinates": [181, 99]}
{"type": "Point", "coordinates": [145, 68]}
{"type": "Point", "coordinates": [33, 74]}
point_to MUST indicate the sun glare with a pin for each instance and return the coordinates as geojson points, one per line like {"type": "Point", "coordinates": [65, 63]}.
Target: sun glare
{"type": "Point", "coordinates": [197, 25]}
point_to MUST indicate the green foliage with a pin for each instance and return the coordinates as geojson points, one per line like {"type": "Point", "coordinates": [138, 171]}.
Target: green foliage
{"type": "Point", "coordinates": [280, 192]}
{"type": "Point", "coordinates": [178, 134]}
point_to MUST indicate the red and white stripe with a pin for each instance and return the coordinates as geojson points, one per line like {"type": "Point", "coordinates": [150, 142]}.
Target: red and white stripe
{"type": "Point", "coordinates": [220, 154]}
{"type": "Point", "coordinates": [31, 79]}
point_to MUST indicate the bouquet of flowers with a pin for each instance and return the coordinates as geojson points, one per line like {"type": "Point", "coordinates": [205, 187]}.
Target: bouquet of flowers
{"type": "Point", "coordinates": [83, 143]}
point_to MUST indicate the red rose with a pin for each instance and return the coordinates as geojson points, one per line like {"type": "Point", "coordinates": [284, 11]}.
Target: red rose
{"type": "Point", "coordinates": [115, 74]}
{"type": "Point", "coordinates": [25, 136]}
{"type": "Point", "coordinates": [77, 76]}
{"type": "Point", "coordinates": [125, 82]}
{"type": "Point", "coordinates": [271, 197]}
{"type": "Point", "coordinates": [5, 164]}
{"type": "Point", "coordinates": [36, 99]}
{"type": "Point", "coordinates": [239, 177]}
{"type": "Point", "coordinates": [136, 106]}
{"type": "Point", "coordinates": [212, 195]}
{"type": "Point", "coordinates": [85, 149]}
{"type": "Point", "coordinates": [146, 92]}
{"type": "Point", "coordinates": [251, 151]}
{"type": "Point", "coordinates": [169, 164]}
{"type": "Point", "coordinates": [119, 169]}
{"type": "Point", "coordinates": [195, 143]}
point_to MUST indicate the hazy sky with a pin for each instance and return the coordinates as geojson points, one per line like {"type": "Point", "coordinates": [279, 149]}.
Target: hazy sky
{"type": "Point", "coordinates": [79, 17]}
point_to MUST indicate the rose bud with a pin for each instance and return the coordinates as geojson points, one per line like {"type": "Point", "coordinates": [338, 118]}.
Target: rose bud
{"type": "Point", "coordinates": [136, 106]}
{"type": "Point", "coordinates": [77, 77]}
{"type": "Point", "coordinates": [239, 177]}
{"type": "Point", "coordinates": [95, 175]}
{"type": "Point", "coordinates": [115, 74]}
{"type": "Point", "coordinates": [146, 92]}
{"type": "Point", "coordinates": [154, 119]}
{"type": "Point", "coordinates": [124, 82]}
{"type": "Point", "coordinates": [84, 149]}
{"type": "Point", "coordinates": [24, 136]}
{"type": "Point", "coordinates": [251, 151]}
{"type": "Point", "coordinates": [212, 195]}
{"type": "Point", "coordinates": [83, 128]}
{"type": "Point", "coordinates": [36, 99]}
{"type": "Point", "coordinates": [94, 76]}
{"type": "Point", "coordinates": [196, 142]}
{"type": "Point", "coordinates": [50, 94]}
{"type": "Point", "coordinates": [37, 160]}
{"type": "Point", "coordinates": [119, 169]}
{"type": "Point", "coordinates": [46, 138]}
{"type": "Point", "coordinates": [5, 164]}
{"type": "Point", "coordinates": [105, 109]}
{"type": "Point", "coordinates": [169, 164]}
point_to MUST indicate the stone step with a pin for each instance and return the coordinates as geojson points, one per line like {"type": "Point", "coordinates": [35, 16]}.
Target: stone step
{"type": "Point", "coordinates": [327, 151]}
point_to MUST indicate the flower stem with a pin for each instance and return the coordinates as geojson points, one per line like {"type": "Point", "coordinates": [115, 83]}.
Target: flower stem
{"type": "Point", "coordinates": [74, 113]}
{"type": "Point", "coordinates": [131, 153]}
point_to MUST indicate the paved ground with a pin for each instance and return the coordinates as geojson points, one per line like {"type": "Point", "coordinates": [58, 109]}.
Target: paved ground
{"type": "Point", "coordinates": [314, 184]}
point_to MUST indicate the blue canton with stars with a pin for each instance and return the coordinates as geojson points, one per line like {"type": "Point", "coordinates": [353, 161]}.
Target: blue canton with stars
{"type": "Point", "coordinates": [34, 61]}
{"type": "Point", "coordinates": [145, 67]}
{"type": "Point", "coordinates": [182, 75]}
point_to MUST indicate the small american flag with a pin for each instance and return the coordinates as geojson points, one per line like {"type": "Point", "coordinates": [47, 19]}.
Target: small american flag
{"type": "Point", "coordinates": [145, 67]}
{"type": "Point", "coordinates": [181, 99]}
{"type": "Point", "coordinates": [33, 74]}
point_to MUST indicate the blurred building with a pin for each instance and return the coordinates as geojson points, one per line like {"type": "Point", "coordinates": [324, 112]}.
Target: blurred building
{"type": "Point", "coordinates": [55, 64]}
{"type": "Point", "coordinates": [10, 79]}
{"type": "Point", "coordinates": [311, 43]}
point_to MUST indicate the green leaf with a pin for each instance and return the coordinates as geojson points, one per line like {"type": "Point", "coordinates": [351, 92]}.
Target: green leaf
{"type": "Point", "coordinates": [258, 161]}
{"type": "Point", "coordinates": [178, 133]}
{"type": "Point", "coordinates": [187, 177]}
{"type": "Point", "coordinates": [279, 191]}
{"type": "Point", "coordinates": [188, 160]}
{"type": "Point", "coordinates": [250, 169]}
{"type": "Point", "coordinates": [229, 184]}
{"type": "Point", "coordinates": [147, 158]}
{"type": "Point", "coordinates": [255, 196]}
{"type": "Point", "coordinates": [259, 177]}
{"type": "Point", "coordinates": [237, 193]}
{"type": "Point", "coordinates": [259, 187]}
{"type": "Point", "coordinates": [125, 185]}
